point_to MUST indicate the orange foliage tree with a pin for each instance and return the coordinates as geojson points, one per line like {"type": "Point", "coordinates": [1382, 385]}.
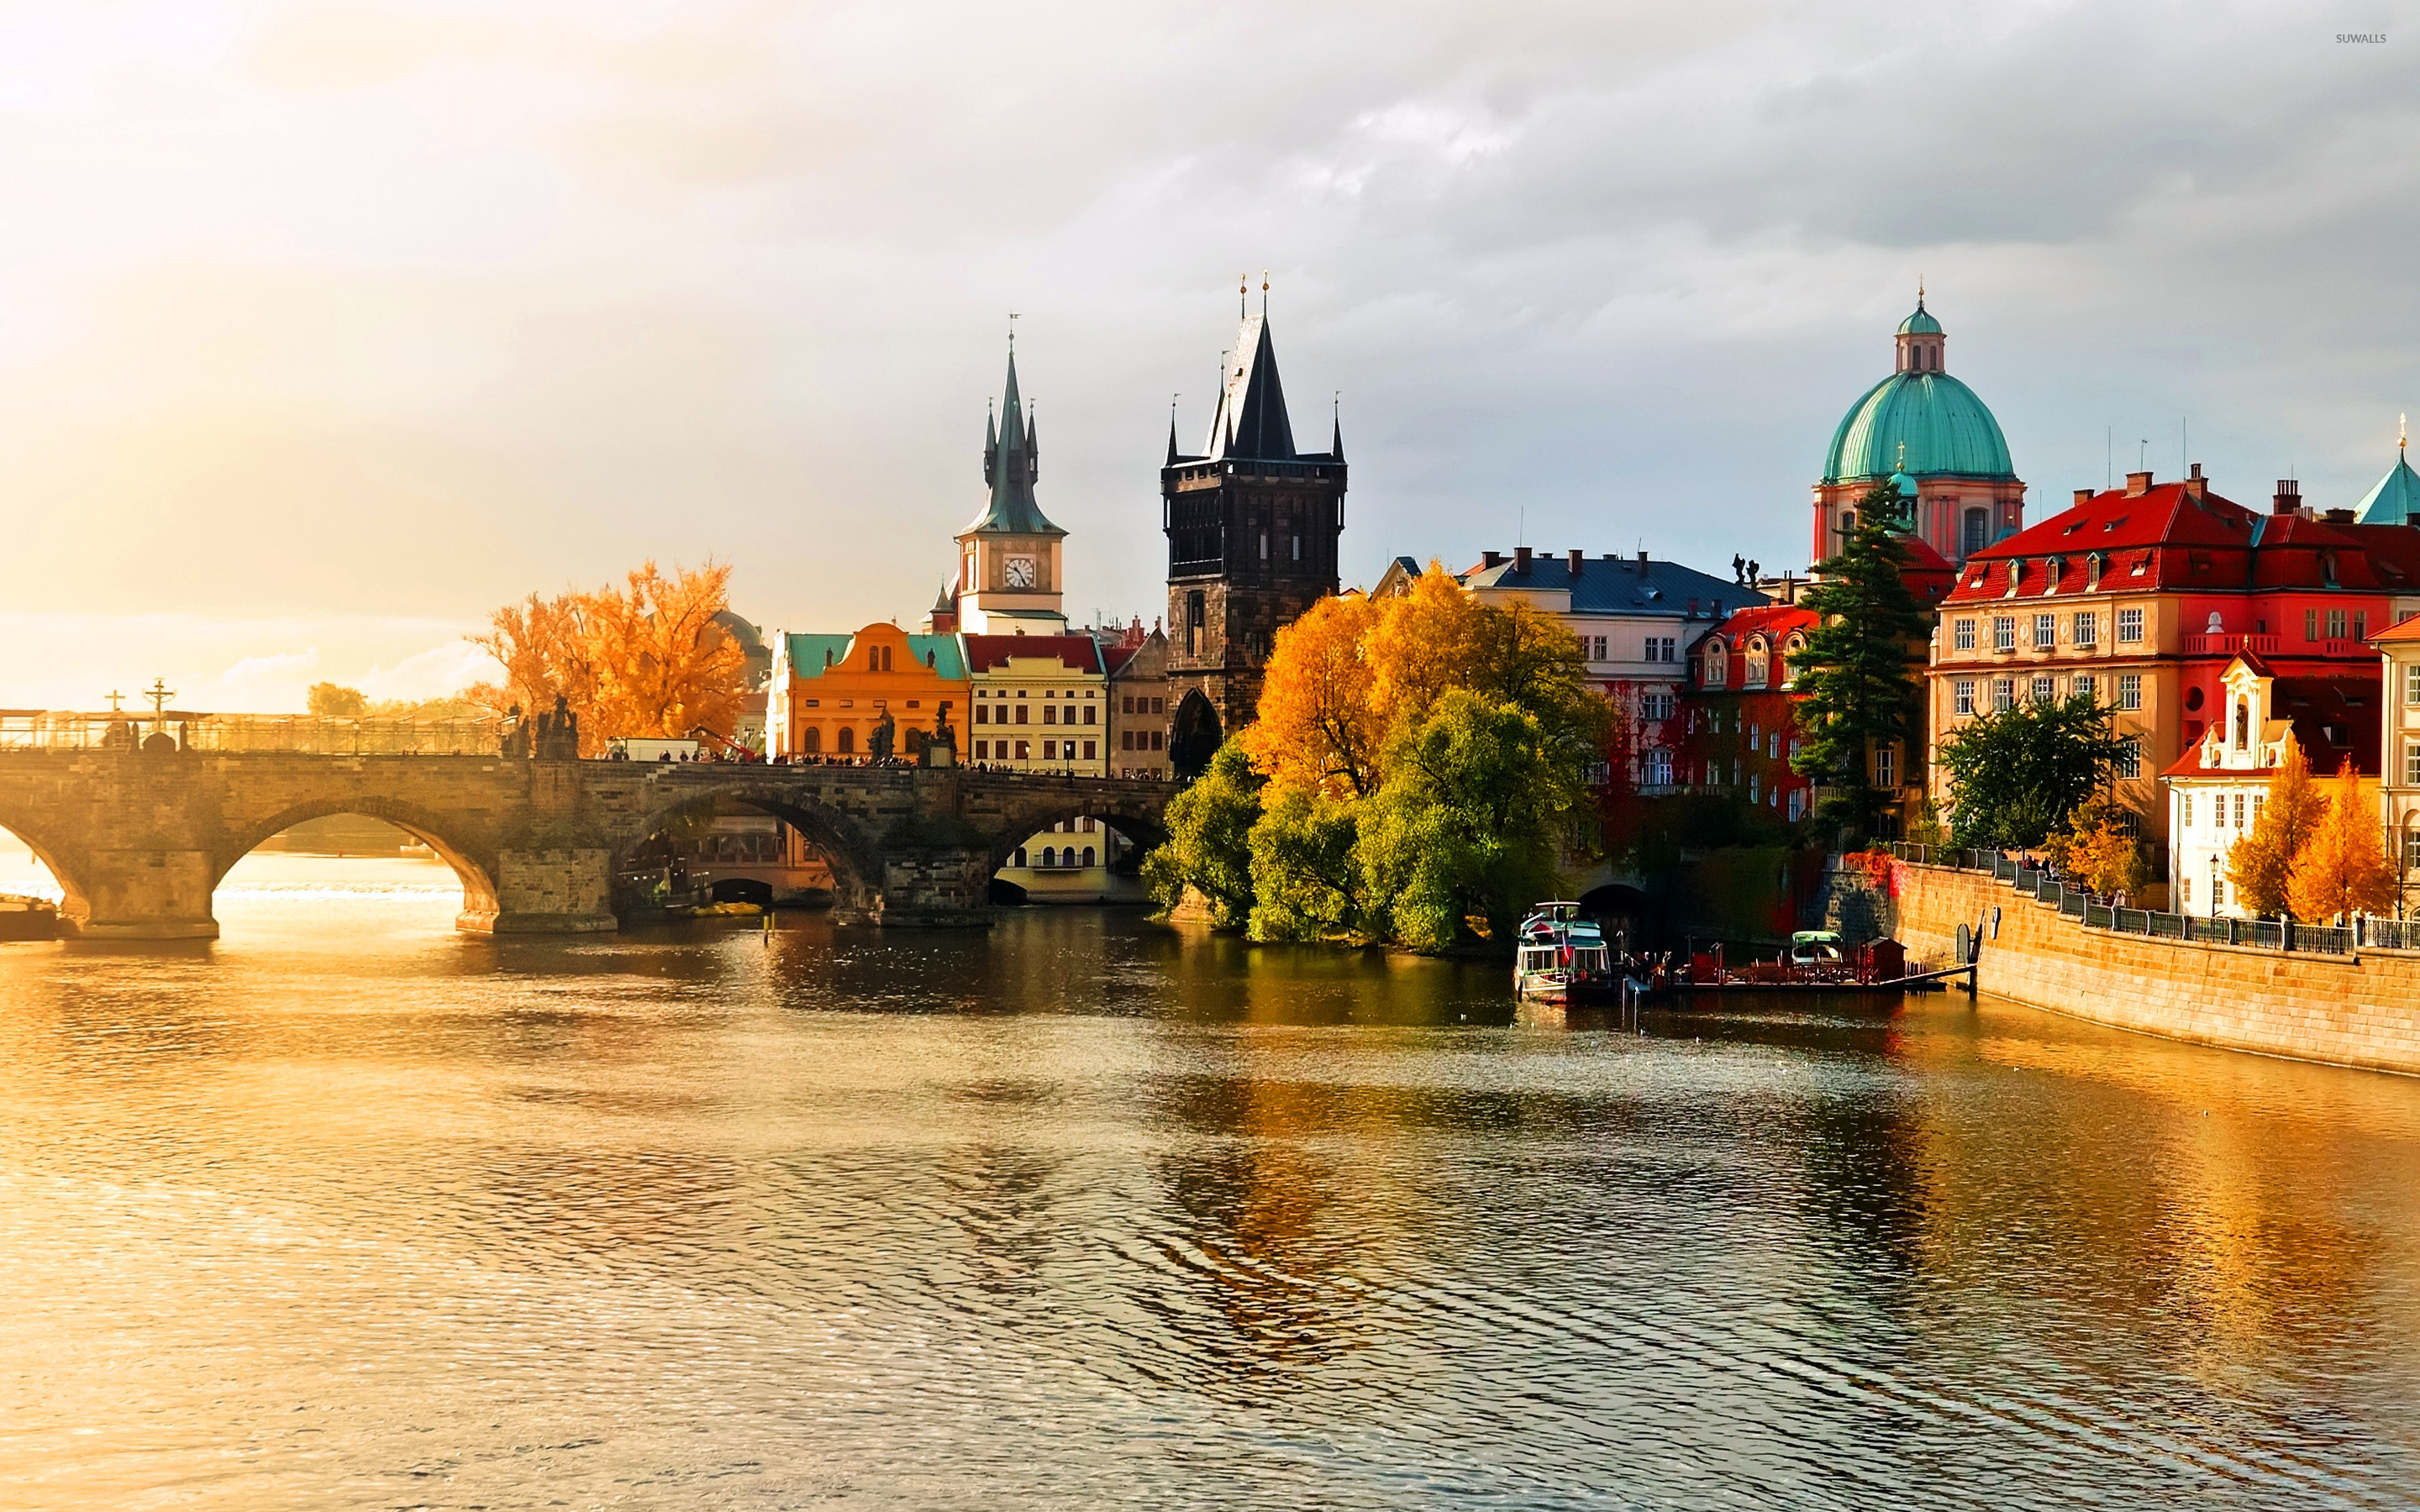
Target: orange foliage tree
{"type": "Point", "coordinates": [2261, 862]}
{"type": "Point", "coordinates": [1318, 725]}
{"type": "Point", "coordinates": [2342, 868]}
{"type": "Point", "coordinates": [645, 659]}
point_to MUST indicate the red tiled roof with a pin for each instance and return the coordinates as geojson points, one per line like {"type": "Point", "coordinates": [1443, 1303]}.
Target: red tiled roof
{"type": "Point", "coordinates": [2407, 629]}
{"type": "Point", "coordinates": [1774, 620]}
{"type": "Point", "coordinates": [2334, 717]}
{"type": "Point", "coordinates": [1114, 658]}
{"type": "Point", "coordinates": [989, 653]}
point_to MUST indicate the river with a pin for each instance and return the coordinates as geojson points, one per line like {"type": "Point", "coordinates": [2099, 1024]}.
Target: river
{"type": "Point", "coordinates": [346, 1211]}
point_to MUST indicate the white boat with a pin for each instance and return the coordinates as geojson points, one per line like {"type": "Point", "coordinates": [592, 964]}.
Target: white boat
{"type": "Point", "coordinates": [1561, 956]}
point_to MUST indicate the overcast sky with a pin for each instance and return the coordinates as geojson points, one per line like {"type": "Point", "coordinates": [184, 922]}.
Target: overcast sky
{"type": "Point", "coordinates": [324, 328]}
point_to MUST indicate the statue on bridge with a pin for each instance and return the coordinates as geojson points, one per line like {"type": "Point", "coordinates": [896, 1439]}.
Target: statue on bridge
{"type": "Point", "coordinates": [885, 738]}
{"type": "Point", "coordinates": [516, 740]}
{"type": "Point", "coordinates": [558, 733]}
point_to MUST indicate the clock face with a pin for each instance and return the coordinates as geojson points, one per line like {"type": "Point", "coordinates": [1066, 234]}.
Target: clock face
{"type": "Point", "coordinates": [1019, 571]}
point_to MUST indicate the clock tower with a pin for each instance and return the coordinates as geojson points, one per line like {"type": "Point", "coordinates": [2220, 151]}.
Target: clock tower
{"type": "Point", "coordinates": [1009, 581]}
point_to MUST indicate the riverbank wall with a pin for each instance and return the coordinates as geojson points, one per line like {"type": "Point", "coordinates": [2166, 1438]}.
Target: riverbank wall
{"type": "Point", "coordinates": [2360, 1010]}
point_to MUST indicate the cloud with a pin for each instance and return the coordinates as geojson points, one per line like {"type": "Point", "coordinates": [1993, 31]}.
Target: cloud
{"type": "Point", "coordinates": [277, 667]}
{"type": "Point", "coordinates": [431, 673]}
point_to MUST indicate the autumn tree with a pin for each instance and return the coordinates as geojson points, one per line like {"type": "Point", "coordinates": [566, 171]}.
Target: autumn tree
{"type": "Point", "coordinates": [1419, 646]}
{"type": "Point", "coordinates": [328, 700]}
{"type": "Point", "coordinates": [1857, 675]}
{"type": "Point", "coordinates": [2261, 865]}
{"type": "Point", "coordinates": [1318, 726]}
{"type": "Point", "coordinates": [2342, 868]}
{"type": "Point", "coordinates": [2101, 850]}
{"type": "Point", "coordinates": [644, 659]}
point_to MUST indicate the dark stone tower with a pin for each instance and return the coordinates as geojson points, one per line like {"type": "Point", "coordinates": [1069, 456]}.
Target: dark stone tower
{"type": "Point", "coordinates": [1253, 527]}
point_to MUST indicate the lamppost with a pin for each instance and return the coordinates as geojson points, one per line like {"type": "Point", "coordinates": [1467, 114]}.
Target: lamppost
{"type": "Point", "coordinates": [2213, 884]}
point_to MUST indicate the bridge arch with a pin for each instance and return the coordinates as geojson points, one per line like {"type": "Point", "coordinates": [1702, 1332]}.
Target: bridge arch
{"type": "Point", "coordinates": [472, 865]}
{"type": "Point", "coordinates": [74, 887]}
{"type": "Point", "coordinates": [1144, 829]}
{"type": "Point", "coordinates": [855, 858]}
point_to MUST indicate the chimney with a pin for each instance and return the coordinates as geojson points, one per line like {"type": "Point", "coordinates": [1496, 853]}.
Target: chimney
{"type": "Point", "coordinates": [2288, 499]}
{"type": "Point", "coordinates": [2137, 484]}
{"type": "Point", "coordinates": [1490, 559]}
{"type": "Point", "coordinates": [1642, 563]}
{"type": "Point", "coordinates": [1521, 559]}
{"type": "Point", "coordinates": [2338, 517]}
{"type": "Point", "coordinates": [1576, 559]}
{"type": "Point", "coordinates": [2196, 484]}
{"type": "Point", "coordinates": [2083, 497]}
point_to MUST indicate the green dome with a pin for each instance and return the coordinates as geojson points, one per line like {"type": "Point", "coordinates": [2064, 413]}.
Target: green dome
{"type": "Point", "coordinates": [1921, 323]}
{"type": "Point", "coordinates": [1945, 428]}
{"type": "Point", "coordinates": [2395, 499]}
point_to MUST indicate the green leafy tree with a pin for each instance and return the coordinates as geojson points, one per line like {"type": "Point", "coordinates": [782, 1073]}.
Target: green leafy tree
{"type": "Point", "coordinates": [1857, 675]}
{"type": "Point", "coordinates": [334, 699]}
{"type": "Point", "coordinates": [2017, 776]}
{"type": "Point", "coordinates": [1464, 826]}
{"type": "Point", "coordinates": [1208, 849]}
{"type": "Point", "coordinates": [1304, 883]}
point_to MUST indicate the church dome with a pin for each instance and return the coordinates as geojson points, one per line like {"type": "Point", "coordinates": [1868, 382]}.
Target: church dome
{"type": "Point", "coordinates": [1919, 421]}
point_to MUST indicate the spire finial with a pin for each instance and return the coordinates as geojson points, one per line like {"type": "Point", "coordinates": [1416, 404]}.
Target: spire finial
{"type": "Point", "coordinates": [1012, 333]}
{"type": "Point", "coordinates": [1264, 294]}
{"type": "Point", "coordinates": [1243, 295]}
{"type": "Point", "coordinates": [1919, 291]}
{"type": "Point", "coordinates": [2402, 431]}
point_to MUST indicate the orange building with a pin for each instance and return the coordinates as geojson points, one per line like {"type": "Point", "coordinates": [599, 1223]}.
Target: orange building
{"type": "Point", "coordinates": [830, 692]}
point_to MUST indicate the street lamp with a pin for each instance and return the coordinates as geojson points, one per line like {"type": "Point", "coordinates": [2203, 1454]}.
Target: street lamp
{"type": "Point", "coordinates": [2213, 884]}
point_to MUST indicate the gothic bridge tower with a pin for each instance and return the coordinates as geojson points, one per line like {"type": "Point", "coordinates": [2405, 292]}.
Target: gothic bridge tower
{"type": "Point", "coordinates": [1253, 527]}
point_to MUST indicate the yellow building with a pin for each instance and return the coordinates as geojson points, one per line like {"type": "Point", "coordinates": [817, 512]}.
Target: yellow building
{"type": "Point", "coordinates": [1040, 703]}
{"type": "Point", "coordinates": [831, 693]}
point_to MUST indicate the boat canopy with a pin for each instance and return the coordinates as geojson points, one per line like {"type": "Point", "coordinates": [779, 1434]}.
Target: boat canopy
{"type": "Point", "coordinates": [1816, 936]}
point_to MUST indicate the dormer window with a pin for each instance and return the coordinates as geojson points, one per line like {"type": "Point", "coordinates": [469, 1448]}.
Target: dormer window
{"type": "Point", "coordinates": [2092, 565]}
{"type": "Point", "coordinates": [2016, 574]}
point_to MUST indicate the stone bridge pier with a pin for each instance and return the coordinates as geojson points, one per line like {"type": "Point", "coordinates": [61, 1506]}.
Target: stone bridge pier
{"type": "Point", "coordinates": [140, 841]}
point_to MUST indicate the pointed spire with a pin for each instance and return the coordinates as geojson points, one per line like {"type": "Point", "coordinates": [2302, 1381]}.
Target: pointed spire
{"type": "Point", "coordinates": [1011, 470]}
{"type": "Point", "coordinates": [1336, 418]}
{"type": "Point", "coordinates": [1033, 446]}
{"type": "Point", "coordinates": [1251, 420]}
{"type": "Point", "coordinates": [991, 444]}
{"type": "Point", "coordinates": [1172, 454]}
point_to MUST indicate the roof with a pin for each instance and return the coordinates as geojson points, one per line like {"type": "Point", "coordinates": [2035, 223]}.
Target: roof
{"type": "Point", "coordinates": [2396, 498]}
{"type": "Point", "coordinates": [1921, 323]}
{"type": "Point", "coordinates": [807, 658]}
{"type": "Point", "coordinates": [1773, 621]}
{"type": "Point", "coordinates": [990, 653]}
{"type": "Point", "coordinates": [1617, 585]}
{"type": "Point", "coordinates": [1928, 423]}
{"type": "Point", "coordinates": [2403, 631]}
{"type": "Point", "coordinates": [2166, 539]}
{"type": "Point", "coordinates": [1011, 466]}
{"type": "Point", "coordinates": [1251, 420]}
{"type": "Point", "coordinates": [2334, 717]}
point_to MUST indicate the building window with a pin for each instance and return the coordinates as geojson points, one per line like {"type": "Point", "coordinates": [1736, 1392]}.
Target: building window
{"type": "Point", "coordinates": [2184, 811]}
{"type": "Point", "coordinates": [1962, 635]}
{"type": "Point", "coordinates": [2004, 695]}
{"type": "Point", "coordinates": [2218, 892]}
{"type": "Point", "coordinates": [2130, 758]}
{"type": "Point", "coordinates": [1195, 610]}
{"type": "Point", "coordinates": [2360, 624]}
{"type": "Point", "coordinates": [2412, 850]}
{"type": "Point", "coordinates": [2004, 633]}
{"type": "Point", "coordinates": [2088, 631]}
{"type": "Point", "coordinates": [2045, 690]}
{"type": "Point", "coordinates": [1797, 804]}
{"type": "Point", "coordinates": [2411, 763]}
{"type": "Point", "coordinates": [1975, 533]}
{"type": "Point", "coordinates": [815, 741]}
{"type": "Point", "coordinates": [2130, 690]}
{"type": "Point", "coordinates": [1756, 666]}
{"type": "Point", "coordinates": [2238, 810]}
{"type": "Point", "coordinates": [2086, 686]}
{"type": "Point", "coordinates": [2310, 625]}
{"type": "Point", "coordinates": [1024, 748]}
{"type": "Point", "coordinates": [1962, 696]}
{"type": "Point", "coordinates": [1655, 705]}
{"type": "Point", "coordinates": [1050, 750]}
{"type": "Point", "coordinates": [848, 742]}
{"type": "Point", "coordinates": [2045, 632]}
{"type": "Point", "coordinates": [1297, 556]}
{"type": "Point", "coordinates": [1885, 765]}
{"type": "Point", "coordinates": [2336, 625]}
{"type": "Point", "coordinates": [1091, 751]}
{"type": "Point", "coordinates": [1597, 648]}
{"type": "Point", "coordinates": [1713, 662]}
{"type": "Point", "coordinates": [2130, 626]}
{"type": "Point", "coordinates": [2185, 890]}
{"type": "Point", "coordinates": [1659, 767]}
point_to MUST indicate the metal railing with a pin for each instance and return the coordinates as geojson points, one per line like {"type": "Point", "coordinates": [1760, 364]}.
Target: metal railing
{"type": "Point", "coordinates": [2031, 880]}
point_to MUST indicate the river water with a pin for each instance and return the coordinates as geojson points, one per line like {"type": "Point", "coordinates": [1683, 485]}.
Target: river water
{"type": "Point", "coordinates": [346, 1211]}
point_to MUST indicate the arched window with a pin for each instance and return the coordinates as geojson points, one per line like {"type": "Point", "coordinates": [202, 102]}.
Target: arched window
{"type": "Point", "coordinates": [1088, 855]}
{"type": "Point", "coordinates": [1049, 856]}
{"type": "Point", "coordinates": [848, 740]}
{"type": "Point", "coordinates": [813, 743]}
{"type": "Point", "coordinates": [1975, 532]}
{"type": "Point", "coordinates": [1018, 859]}
{"type": "Point", "coordinates": [1759, 665]}
{"type": "Point", "coordinates": [1195, 614]}
{"type": "Point", "coordinates": [886, 658]}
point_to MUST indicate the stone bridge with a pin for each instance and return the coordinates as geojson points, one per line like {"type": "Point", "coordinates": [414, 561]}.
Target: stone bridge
{"type": "Point", "coordinates": [138, 840]}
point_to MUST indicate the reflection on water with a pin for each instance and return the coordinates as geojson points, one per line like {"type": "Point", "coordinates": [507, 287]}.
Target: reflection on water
{"type": "Point", "coordinates": [346, 1209]}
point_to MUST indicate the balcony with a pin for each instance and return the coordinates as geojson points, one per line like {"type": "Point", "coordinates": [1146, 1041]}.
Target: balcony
{"type": "Point", "coordinates": [2232, 645]}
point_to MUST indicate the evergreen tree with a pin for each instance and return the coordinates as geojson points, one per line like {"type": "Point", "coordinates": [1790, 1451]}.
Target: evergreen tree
{"type": "Point", "coordinates": [2342, 869]}
{"type": "Point", "coordinates": [2017, 776]}
{"type": "Point", "coordinates": [1208, 847]}
{"type": "Point", "coordinates": [1857, 677]}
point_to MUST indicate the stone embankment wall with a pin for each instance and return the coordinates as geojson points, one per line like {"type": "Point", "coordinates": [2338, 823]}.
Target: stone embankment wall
{"type": "Point", "coordinates": [2362, 1009]}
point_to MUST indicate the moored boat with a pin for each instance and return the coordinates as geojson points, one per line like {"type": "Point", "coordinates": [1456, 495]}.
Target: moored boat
{"type": "Point", "coordinates": [27, 919]}
{"type": "Point", "coordinates": [1561, 957]}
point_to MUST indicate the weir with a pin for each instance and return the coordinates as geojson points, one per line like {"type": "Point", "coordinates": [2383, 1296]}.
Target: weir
{"type": "Point", "coordinates": [139, 839]}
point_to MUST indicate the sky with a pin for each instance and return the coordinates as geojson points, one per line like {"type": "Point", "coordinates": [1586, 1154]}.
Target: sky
{"type": "Point", "coordinates": [327, 328]}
